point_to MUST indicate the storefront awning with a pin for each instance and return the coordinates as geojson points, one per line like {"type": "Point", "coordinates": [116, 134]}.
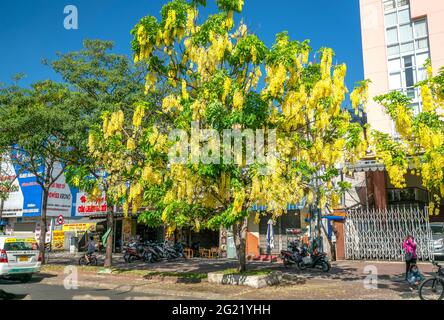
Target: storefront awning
{"type": "Point", "coordinates": [290, 206]}
{"type": "Point", "coordinates": [365, 166]}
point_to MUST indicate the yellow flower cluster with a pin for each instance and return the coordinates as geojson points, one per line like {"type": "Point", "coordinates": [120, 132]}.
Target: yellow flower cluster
{"type": "Point", "coordinates": [239, 200]}
{"type": "Point", "coordinates": [276, 77]}
{"type": "Point", "coordinates": [395, 172]}
{"type": "Point", "coordinates": [158, 141]}
{"type": "Point", "coordinates": [429, 139]}
{"type": "Point", "coordinates": [339, 88]}
{"type": "Point", "coordinates": [427, 99]}
{"type": "Point", "coordinates": [139, 113]}
{"type": "Point", "coordinates": [359, 96]}
{"type": "Point", "coordinates": [149, 176]}
{"type": "Point", "coordinates": [238, 100]}
{"type": "Point", "coordinates": [326, 62]}
{"type": "Point", "coordinates": [150, 82]}
{"type": "Point", "coordinates": [136, 196]}
{"type": "Point", "coordinates": [296, 101]}
{"type": "Point", "coordinates": [185, 95]}
{"type": "Point", "coordinates": [113, 125]}
{"type": "Point", "coordinates": [171, 102]}
{"type": "Point", "coordinates": [191, 18]}
{"type": "Point", "coordinates": [146, 47]}
{"type": "Point", "coordinates": [322, 89]}
{"type": "Point", "coordinates": [227, 87]}
{"type": "Point", "coordinates": [198, 108]}
{"type": "Point", "coordinates": [240, 5]}
{"type": "Point", "coordinates": [171, 30]}
{"type": "Point", "coordinates": [131, 144]}
{"type": "Point", "coordinates": [230, 22]}
{"type": "Point", "coordinates": [91, 142]}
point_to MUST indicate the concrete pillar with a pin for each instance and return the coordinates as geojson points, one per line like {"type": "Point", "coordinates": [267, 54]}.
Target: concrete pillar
{"type": "Point", "coordinates": [377, 189]}
{"type": "Point", "coordinates": [339, 230]}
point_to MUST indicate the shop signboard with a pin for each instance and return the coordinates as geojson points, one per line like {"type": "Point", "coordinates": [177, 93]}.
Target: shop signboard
{"type": "Point", "coordinates": [27, 199]}
{"type": "Point", "coordinates": [81, 227]}
{"type": "Point", "coordinates": [13, 206]}
{"type": "Point", "coordinates": [58, 240]}
{"type": "Point", "coordinates": [48, 232]}
{"type": "Point", "coordinates": [86, 206]}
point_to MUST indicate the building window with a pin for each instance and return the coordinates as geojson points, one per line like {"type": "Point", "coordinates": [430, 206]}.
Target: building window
{"type": "Point", "coordinates": [389, 5]}
{"type": "Point", "coordinates": [404, 16]}
{"type": "Point", "coordinates": [406, 33]}
{"type": "Point", "coordinates": [393, 4]}
{"type": "Point", "coordinates": [391, 19]}
{"type": "Point", "coordinates": [407, 49]}
{"type": "Point", "coordinates": [421, 29]}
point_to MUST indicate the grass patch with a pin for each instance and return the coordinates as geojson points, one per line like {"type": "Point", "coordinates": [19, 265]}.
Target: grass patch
{"type": "Point", "coordinates": [59, 267]}
{"type": "Point", "coordinates": [134, 272]}
{"type": "Point", "coordinates": [182, 275]}
{"type": "Point", "coordinates": [260, 272]}
{"type": "Point", "coordinates": [147, 273]}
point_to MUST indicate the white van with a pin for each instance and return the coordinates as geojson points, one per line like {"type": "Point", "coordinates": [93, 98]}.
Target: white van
{"type": "Point", "coordinates": [19, 258]}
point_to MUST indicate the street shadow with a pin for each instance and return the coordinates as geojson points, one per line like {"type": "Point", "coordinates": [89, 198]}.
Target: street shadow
{"type": "Point", "coordinates": [4, 295]}
{"type": "Point", "coordinates": [37, 278]}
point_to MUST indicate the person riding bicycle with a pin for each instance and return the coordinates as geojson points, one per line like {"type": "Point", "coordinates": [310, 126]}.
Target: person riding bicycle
{"type": "Point", "coordinates": [91, 248]}
{"type": "Point", "coordinates": [414, 276]}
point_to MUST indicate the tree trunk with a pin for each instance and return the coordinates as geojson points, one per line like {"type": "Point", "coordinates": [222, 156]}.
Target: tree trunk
{"type": "Point", "coordinates": [109, 243]}
{"type": "Point", "coordinates": [42, 239]}
{"type": "Point", "coordinates": [240, 239]}
{"type": "Point", "coordinates": [2, 204]}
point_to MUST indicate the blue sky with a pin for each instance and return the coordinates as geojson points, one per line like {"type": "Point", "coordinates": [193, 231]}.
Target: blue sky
{"type": "Point", "coordinates": [31, 30]}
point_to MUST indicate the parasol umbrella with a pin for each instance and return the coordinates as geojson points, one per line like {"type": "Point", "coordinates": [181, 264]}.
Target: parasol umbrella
{"type": "Point", "coordinates": [270, 236]}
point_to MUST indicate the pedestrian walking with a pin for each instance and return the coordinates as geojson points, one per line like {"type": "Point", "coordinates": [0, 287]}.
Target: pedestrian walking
{"type": "Point", "coordinates": [409, 247]}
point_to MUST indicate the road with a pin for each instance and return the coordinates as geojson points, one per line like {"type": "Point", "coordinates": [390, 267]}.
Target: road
{"type": "Point", "coordinates": [37, 289]}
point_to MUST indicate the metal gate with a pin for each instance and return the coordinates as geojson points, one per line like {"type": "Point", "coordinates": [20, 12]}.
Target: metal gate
{"type": "Point", "coordinates": [379, 234]}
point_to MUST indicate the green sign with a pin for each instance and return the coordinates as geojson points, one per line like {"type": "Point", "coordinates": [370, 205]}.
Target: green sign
{"type": "Point", "coordinates": [105, 236]}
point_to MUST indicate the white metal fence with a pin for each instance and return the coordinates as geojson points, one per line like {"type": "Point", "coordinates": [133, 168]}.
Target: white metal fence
{"type": "Point", "coordinates": [379, 234]}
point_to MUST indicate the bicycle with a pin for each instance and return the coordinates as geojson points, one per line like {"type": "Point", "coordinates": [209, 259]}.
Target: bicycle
{"type": "Point", "coordinates": [433, 287]}
{"type": "Point", "coordinates": [47, 251]}
{"type": "Point", "coordinates": [92, 260]}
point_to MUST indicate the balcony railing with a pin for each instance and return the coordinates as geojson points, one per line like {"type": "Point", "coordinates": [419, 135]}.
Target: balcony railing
{"type": "Point", "coordinates": [407, 195]}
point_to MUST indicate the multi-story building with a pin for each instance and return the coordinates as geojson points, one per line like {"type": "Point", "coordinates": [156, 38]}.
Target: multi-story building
{"type": "Point", "coordinates": [398, 36]}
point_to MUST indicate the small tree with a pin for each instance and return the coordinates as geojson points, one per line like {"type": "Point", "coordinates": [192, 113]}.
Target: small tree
{"type": "Point", "coordinates": [218, 73]}
{"type": "Point", "coordinates": [7, 182]}
{"type": "Point", "coordinates": [36, 128]}
{"type": "Point", "coordinates": [420, 141]}
{"type": "Point", "coordinates": [100, 82]}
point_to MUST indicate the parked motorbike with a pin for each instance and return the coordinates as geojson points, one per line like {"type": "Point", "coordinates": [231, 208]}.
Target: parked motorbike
{"type": "Point", "coordinates": [316, 260]}
{"type": "Point", "coordinates": [134, 251]}
{"type": "Point", "coordinates": [292, 256]}
{"type": "Point", "coordinates": [179, 248]}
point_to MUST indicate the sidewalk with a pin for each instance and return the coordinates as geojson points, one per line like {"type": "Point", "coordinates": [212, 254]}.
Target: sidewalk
{"type": "Point", "coordinates": [341, 270]}
{"type": "Point", "coordinates": [300, 286]}
{"type": "Point", "coordinates": [186, 279]}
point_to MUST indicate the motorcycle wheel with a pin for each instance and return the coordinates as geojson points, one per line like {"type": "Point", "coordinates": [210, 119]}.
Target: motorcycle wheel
{"type": "Point", "coordinates": [148, 257]}
{"type": "Point", "coordinates": [301, 265]}
{"type": "Point", "coordinates": [93, 261]}
{"type": "Point", "coordinates": [131, 259]}
{"type": "Point", "coordinates": [82, 261]}
{"type": "Point", "coordinates": [286, 262]}
{"type": "Point", "coordinates": [125, 257]}
{"type": "Point", "coordinates": [325, 266]}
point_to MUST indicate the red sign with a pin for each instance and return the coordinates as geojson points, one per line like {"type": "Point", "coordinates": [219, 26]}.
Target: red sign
{"type": "Point", "coordinates": [60, 219]}
{"type": "Point", "coordinates": [88, 206]}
